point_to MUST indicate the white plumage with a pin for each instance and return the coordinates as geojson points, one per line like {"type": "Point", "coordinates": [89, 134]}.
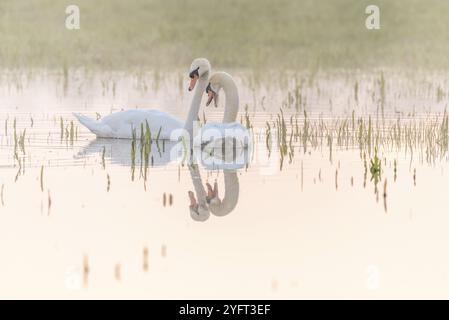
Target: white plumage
{"type": "Point", "coordinates": [121, 124]}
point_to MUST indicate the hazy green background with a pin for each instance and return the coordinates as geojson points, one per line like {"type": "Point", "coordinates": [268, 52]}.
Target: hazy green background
{"type": "Point", "coordinates": [118, 34]}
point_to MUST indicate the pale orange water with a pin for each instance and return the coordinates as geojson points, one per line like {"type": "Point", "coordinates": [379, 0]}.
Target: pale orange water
{"type": "Point", "coordinates": [296, 231]}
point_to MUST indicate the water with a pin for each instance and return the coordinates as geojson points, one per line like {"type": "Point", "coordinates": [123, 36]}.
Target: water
{"type": "Point", "coordinates": [307, 223]}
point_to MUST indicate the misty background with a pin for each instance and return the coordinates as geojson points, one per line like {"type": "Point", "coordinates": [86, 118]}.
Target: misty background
{"type": "Point", "coordinates": [254, 34]}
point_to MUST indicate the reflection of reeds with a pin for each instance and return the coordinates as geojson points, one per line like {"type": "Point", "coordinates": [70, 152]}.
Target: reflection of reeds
{"type": "Point", "coordinates": [103, 162]}
{"type": "Point", "coordinates": [395, 170]}
{"type": "Point", "coordinates": [1, 195]}
{"type": "Point", "coordinates": [21, 141]}
{"type": "Point", "coordinates": [86, 271]}
{"type": "Point", "coordinates": [336, 179]}
{"type": "Point", "coordinates": [42, 178]}
{"type": "Point", "coordinates": [118, 272]}
{"type": "Point", "coordinates": [145, 259]}
{"type": "Point", "coordinates": [49, 202]}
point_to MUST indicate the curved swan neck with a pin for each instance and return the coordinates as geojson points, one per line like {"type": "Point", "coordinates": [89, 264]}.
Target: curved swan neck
{"type": "Point", "coordinates": [201, 193]}
{"type": "Point", "coordinates": [196, 102]}
{"type": "Point", "coordinates": [231, 96]}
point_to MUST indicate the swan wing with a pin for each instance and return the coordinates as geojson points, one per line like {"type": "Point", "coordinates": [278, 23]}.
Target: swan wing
{"type": "Point", "coordinates": [121, 124]}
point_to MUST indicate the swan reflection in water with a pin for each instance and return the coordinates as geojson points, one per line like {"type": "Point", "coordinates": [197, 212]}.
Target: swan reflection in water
{"type": "Point", "coordinates": [228, 161]}
{"type": "Point", "coordinates": [118, 151]}
{"type": "Point", "coordinates": [202, 202]}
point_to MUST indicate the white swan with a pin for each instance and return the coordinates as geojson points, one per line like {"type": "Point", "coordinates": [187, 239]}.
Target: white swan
{"type": "Point", "coordinates": [121, 124]}
{"type": "Point", "coordinates": [235, 134]}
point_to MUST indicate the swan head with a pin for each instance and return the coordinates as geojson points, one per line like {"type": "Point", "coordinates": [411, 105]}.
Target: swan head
{"type": "Point", "coordinates": [199, 68]}
{"type": "Point", "coordinates": [216, 82]}
{"type": "Point", "coordinates": [198, 211]}
{"type": "Point", "coordinates": [212, 194]}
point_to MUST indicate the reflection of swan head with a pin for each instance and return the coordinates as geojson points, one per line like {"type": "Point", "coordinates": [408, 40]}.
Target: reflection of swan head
{"type": "Point", "coordinates": [223, 207]}
{"type": "Point", "coordinates": [212, 194]}
{"type": "Point", "coordinates": [198, 211]}
{"type": "Point", "coordinates": [199, 68]}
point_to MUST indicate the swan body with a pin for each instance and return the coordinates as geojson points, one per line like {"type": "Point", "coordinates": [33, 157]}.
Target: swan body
{"type": "Point", "coordinates": [232, 134]}
{"type": "Point", "coordinates": [121, 124]}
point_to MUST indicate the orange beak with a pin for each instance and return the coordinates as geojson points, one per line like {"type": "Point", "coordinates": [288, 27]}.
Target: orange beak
{"type": "Point", "coordinates": [193, 82]}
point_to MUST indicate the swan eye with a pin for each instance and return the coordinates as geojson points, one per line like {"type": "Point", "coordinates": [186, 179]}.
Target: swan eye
{"type": "Point", "coordinates": [194, 73]}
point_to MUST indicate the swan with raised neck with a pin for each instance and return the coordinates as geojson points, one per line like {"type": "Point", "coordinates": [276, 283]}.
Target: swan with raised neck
{"type": "Point", "coordinates": [200, 70]}
{"type": "Point", "coordinates": [129, 123]}
{"type": "Point", "coordinates": [222, 80]}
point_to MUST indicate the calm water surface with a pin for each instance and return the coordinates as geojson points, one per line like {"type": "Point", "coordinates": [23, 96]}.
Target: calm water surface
{"type": "Point", "coordinates": [75, 221]}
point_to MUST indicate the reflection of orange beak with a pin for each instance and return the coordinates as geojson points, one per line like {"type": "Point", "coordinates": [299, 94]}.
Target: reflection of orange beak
{"type": "Point", "coordinates": [211, 96]}
{"type": "Point", "coordinates": [212, 193]}
{"type": "Point", "coordinates": [193, 82]}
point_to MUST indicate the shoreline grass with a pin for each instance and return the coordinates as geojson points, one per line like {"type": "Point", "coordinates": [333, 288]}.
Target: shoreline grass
{"type": "Point", "coordinates": [254, 34]}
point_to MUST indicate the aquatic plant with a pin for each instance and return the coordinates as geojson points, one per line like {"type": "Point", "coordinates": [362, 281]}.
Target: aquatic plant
{"type": "Point", "coordinates": [376, 166]}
